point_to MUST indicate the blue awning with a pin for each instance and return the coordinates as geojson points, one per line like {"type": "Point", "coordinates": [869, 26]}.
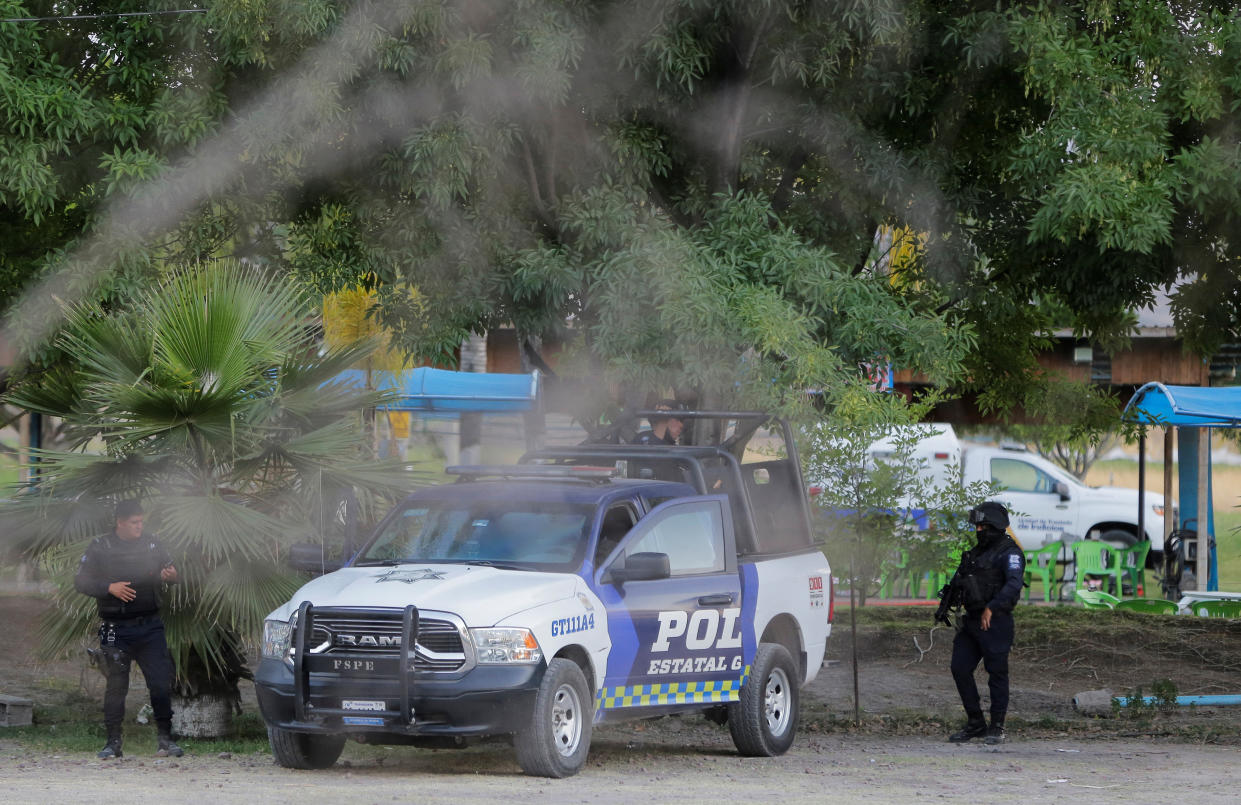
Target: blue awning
{"type": "Point", "coordinates": [1186, 406]}
{"type": "Point", "coordinates": [427, 389]}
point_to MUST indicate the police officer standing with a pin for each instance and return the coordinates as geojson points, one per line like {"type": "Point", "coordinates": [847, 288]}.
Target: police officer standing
{"type": "Point", "coordinates": [123, 572]}
{"type": "Point", "coordinates": [988, 585]}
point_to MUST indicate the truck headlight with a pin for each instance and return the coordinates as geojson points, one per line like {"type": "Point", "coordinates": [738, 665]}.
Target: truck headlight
{"type": "Point", "coordinates": [277, 637]}
{"type": "Point", "coordinates": [506, 645]}
{"type": "Point", "coordinates": [1157, 508]}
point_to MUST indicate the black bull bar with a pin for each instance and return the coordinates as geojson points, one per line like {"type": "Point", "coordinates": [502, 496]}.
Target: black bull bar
{"type": "Point", "coordinates": [303, 710]}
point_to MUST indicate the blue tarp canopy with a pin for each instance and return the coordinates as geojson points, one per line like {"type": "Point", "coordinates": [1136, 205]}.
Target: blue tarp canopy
{"type": "Point", "coordinates": [1186, 406]}
{"type": "Point", "coordinates": [427, 389]}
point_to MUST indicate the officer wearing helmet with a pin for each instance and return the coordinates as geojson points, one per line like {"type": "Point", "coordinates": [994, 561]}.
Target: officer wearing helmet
{"type": "Point", "coordinates": [988, 585]}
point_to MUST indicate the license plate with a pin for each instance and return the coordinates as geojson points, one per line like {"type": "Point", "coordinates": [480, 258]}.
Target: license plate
{"type": "Point", "coordinates": [362, 721]}
{"type": "Point", "coordinates": [363, 704]}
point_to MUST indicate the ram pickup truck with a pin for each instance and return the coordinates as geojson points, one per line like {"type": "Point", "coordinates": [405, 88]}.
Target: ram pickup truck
{"type": "Point", "coordinates": [585, 585]}
{"type": "Point", "coordinates": [1047, 501]}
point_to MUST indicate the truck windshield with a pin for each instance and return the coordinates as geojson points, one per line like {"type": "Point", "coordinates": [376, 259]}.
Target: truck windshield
{"type": "Point", "coordinates": [535, 536]}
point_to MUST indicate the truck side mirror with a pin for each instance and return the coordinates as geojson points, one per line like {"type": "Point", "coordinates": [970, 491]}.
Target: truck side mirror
{"type": "Point", "coordinates": [645, 566]}
{"type": "Point", "coordinates": [309, 557]}
{"type": "Point", "coordinates": [1061, 489]}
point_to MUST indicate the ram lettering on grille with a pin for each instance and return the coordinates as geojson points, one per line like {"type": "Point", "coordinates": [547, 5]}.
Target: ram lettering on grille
{"type": "Point", "coordinates": [437, 648]}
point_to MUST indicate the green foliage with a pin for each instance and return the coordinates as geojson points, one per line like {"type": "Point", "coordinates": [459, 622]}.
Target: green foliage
{"type": "Point", "coordinates": [1162, 701]}
{"type": "Point", "coordinates": [691, 194]}
{"type": "Point", "coordinates": [212, 402]}
{"type": "Point", "coordinates": [874, 491]}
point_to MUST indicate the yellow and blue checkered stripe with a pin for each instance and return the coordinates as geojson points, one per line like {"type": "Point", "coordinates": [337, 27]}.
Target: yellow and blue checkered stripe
{"type": "Point", "coordinates": [724, 690]}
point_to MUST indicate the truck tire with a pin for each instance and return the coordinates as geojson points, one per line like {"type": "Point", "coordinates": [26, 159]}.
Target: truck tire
{"type": "Point", "coordinates": [1119, 537]}
{"type": "Point", "coordinates": [763, 722]}
{"type": "Point", "coordinates": [556, 741]}
{"type": "Point", "coordinates": [302, 750]}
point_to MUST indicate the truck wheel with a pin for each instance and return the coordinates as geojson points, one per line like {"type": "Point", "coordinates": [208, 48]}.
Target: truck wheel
{"type": "Point", "coordinates": [1119, 538]}
{"type": "Point", "coordinates": [301, 750]}
{"type": "Point", "coordinates": [557, 739]}
{"type": "Point", "coordinates": [763, 722]}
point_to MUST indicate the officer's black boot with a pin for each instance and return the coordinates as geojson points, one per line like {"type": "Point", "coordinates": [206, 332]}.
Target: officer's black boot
{"type": "Point", "coordinates": [167, 748]}
{"type": "Point", "coordinates": [995, 733]}
{"type": "Point", "coordinates": [975, 727]}
{"type": "Point", "coordinates": [111, 749]}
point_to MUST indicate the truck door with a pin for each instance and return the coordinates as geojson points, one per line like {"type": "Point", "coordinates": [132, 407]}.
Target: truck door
{"type": "Point", "coordinates": [678, 637]}
{"type": "Point", "coordinates": [1039, 515]}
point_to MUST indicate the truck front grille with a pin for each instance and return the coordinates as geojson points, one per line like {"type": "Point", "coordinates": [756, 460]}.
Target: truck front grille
{"type": "Point", "coordinates": [438, 647]}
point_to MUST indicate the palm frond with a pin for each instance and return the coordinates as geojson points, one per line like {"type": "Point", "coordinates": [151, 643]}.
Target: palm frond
{"type": "Point", "coordinates": [214, 406]}
{"type": "Point", "coordinates": [219, 529]}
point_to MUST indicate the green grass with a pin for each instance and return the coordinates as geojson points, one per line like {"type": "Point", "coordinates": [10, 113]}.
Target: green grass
{"type": "Point", "coordinates": [8, 473]}
{"type": "Point", "coordinates": [1228, 548]}
{"type": "Point", "coordinates": [64, 728]}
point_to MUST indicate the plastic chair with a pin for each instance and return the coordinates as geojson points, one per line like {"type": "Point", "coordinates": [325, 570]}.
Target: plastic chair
{"type": "Point", "coordinates": [1217, 609]}
{"type": "Point", "coordinates": [1132, 563]}
{"type": "Point", "coordinates": [938, 577]}
{"type": "Point", "coordinates": [892, 574]}
{"type": "Point", "coordinates": [1094, 599]}
{"type": "Point", "coordinates": [1153, 606]}
{"type": "Point", "coordinates": [1095, 559]}
{"type": "Point", "coordinates": [1042, 563]}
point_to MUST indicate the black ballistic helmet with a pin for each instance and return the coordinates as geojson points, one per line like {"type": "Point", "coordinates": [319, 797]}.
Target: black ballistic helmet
{"type": "Point", "coordinates": [990, 513]}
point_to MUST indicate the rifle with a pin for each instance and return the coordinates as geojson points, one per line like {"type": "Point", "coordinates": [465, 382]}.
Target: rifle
{"type": "Point", "coordinates": [951, 598]}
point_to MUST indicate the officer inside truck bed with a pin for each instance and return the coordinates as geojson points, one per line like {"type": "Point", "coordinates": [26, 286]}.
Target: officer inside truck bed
{"type": "Point", "coordinates": [990, 580]}
{"type": "Point", "coordinates": [664, 429]}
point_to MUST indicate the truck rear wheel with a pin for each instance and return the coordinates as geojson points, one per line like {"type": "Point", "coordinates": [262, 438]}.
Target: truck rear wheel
{"type": "Point", "coordinates": [1119, 537]}
{"type": "Point", "coordinates": [556, 741]}
{"type": "Point", "coordinates": [763, 722]}
{"type": "Point", "coordinates": [302, 750]}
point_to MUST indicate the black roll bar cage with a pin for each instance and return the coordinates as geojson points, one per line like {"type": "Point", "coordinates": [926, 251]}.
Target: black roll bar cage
{"type": "Point", "coordinates": [305, 711]}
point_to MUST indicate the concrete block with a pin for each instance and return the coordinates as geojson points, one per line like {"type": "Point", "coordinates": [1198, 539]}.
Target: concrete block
{"type": "Point", "coordinates": [16, 711]}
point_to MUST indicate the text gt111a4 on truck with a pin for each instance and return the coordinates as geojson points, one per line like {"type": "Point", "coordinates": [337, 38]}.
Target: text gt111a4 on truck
{"type": "Point", "coordinates": [583, 586]}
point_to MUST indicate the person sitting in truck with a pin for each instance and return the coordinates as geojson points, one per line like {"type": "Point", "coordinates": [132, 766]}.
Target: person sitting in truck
{"type": "Point", "coordinates": [664, 429]}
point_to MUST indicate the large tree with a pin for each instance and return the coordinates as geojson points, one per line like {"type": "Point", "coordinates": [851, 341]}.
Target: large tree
{"type": "Point", "coordinates": [695, 193]}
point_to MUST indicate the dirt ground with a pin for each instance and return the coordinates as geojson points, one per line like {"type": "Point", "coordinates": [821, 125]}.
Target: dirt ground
{"type": "Point", "coordinates": [898, 754]}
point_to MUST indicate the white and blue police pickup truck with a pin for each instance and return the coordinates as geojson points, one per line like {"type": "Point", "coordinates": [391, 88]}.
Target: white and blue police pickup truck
{"type": "Point", "coordinates": [585, 585]}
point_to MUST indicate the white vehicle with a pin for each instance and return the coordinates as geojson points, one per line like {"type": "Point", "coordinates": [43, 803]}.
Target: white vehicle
{"type": "Point", "coordinates": [1047, 501]}
{"type": "Point", "coordinates": [536, 601]}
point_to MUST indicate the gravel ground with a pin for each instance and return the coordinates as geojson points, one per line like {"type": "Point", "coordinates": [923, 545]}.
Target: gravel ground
{"type": "Point", "coordinates": [657, 765]}
{"type": "Point", "coordinates": [687, 759]}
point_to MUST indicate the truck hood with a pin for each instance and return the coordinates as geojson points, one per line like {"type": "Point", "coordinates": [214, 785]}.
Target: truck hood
{"type": "Point", "coordinates": [1120, 494]}
{"type": "Point", "coordinates": [482, 596]}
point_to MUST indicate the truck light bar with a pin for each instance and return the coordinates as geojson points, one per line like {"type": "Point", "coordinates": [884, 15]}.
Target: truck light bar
{"type": "Point", "coordinates": [561, 472]}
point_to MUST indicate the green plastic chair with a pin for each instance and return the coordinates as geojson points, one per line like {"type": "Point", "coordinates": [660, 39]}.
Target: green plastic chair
{"type": "Point", "coordinates": [1093, 558]}
{"type": "Point", "coordinates": [1153, 606]}
{"type": "Point", "coordinates": [892, 575]}
{"type": "Point", "coordinates": [1096, 599]}
{"type": "Point", "coordinates": [937, 578]}
{"type": "Point", "coordinates": [1042, 563]}
{"type": "Point", "coordinates": [1132, 561]}
{"type": "Point", "coordinates": [1217, 609]}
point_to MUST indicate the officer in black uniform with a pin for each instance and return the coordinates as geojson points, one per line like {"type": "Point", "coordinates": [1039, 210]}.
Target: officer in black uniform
{"type": "Point", "coordinates": [988, 583]}
{"type": "Point", "coordinates": [123, 572]}
{"type": "Point", "coordinates": [664, 429]}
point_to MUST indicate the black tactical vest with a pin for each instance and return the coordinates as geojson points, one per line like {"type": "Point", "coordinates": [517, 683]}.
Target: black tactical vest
{"type": "Point", "coordinates": [980, 576]}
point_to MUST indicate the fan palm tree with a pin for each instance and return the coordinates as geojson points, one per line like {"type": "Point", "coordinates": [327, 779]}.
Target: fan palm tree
{"type": "Point", "coordinates": [212, 401]}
